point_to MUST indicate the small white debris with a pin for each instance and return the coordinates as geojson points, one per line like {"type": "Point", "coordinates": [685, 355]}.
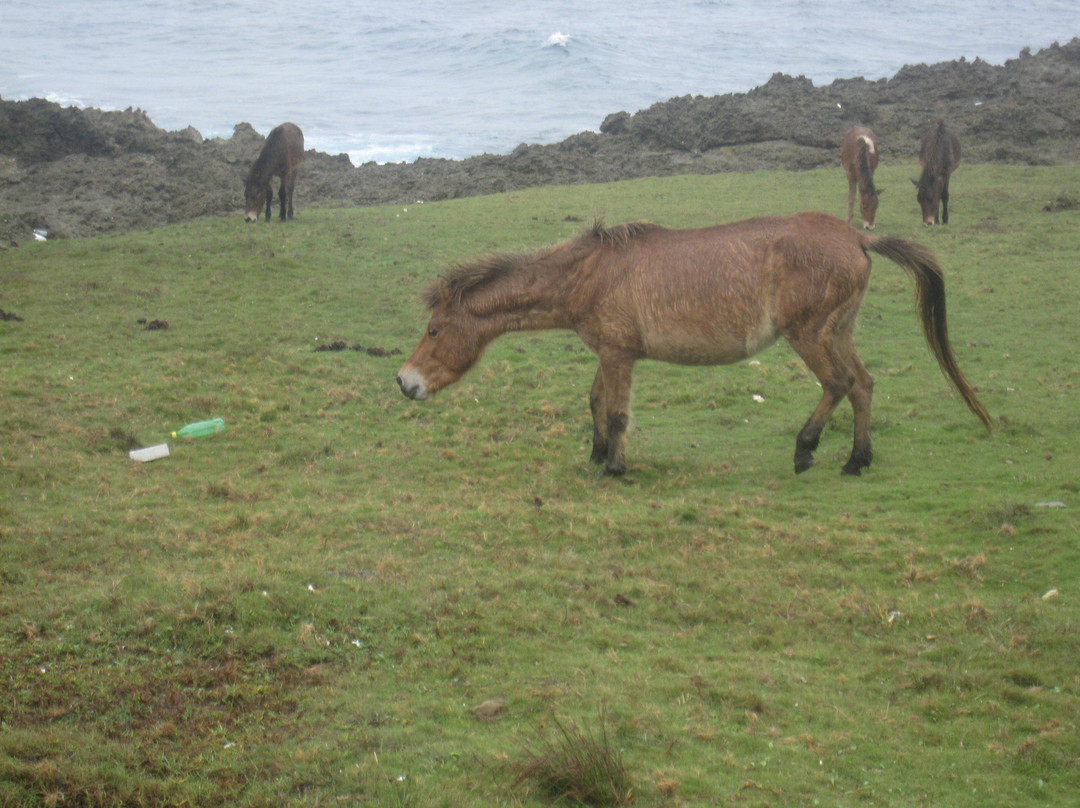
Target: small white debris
{"type": "Point", "coordinates": [1049, 504]}
{"type": "Point", "coordinates": [150, 453]}
{"type": "Point", "coordinates": [893, 615]}
{"type": "Point", "coordinates": [759, 398]}
{"type": "Point", "coordinates": [1053, 593]}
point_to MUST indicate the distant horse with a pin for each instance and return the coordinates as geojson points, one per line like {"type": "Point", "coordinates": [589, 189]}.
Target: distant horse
{"type": "Point", "coordinates": [708, 296]}
{"type": "Point", "coordinates": [281, 156]}
{"type": "Point", "coordinates": [859, 157]}
{"type": "Point", "coordinates": [939, 155]}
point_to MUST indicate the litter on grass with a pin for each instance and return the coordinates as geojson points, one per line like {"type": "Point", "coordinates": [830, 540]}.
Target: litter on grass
{"type": "Point", "coordinates": [150, 453]}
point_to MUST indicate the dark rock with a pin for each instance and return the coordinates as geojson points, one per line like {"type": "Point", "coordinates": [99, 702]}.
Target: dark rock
{"type": "Point", "coordinates": [81, 172]}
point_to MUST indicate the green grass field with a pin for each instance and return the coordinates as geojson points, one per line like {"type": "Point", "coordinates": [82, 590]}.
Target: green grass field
{"type": "Point", "coordinates": [307, 608]}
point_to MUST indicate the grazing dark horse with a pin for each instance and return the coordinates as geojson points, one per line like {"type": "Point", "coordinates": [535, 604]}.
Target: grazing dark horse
{"type": "Point", "coordinates": [709, 296]}
{"type": "Point", "coordinates": [281, 156]}
{"type": "Point", "coordinates": [939, 155]}
{"type": "Point", "coordinates": [859, 157]}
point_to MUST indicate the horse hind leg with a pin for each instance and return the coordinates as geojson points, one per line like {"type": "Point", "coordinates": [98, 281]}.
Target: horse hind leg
{"type": "Point", "coordinates": [861, 396]}
{"type": "Point", "coordinates": [289, 184]}
{"type": "Point", "coordinates": [837, 380]}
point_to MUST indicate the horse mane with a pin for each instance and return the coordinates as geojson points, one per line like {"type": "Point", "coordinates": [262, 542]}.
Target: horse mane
{"type": "Point", "coordinates": [463, 280]}
{"type": "Point", "coordinates": [459, 281]}
{"type": "Point", "coordinates": [866, 176]}
{"type": "Point", "coordinates": [618, 235]}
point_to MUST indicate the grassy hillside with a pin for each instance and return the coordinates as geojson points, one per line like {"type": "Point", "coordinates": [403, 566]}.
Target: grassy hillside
{"type": "Point", "coordinates": [307, 608]}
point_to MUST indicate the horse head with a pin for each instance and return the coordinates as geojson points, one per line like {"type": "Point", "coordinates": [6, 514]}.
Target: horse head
{"type": "Point", "coordinates": [928, 194]}
{"type": "Point", "coordinates": [452, 343]}
{"type": "Point", "coordinates": [254, 198]}
{"type": "Point", "coordinates": [868, 205]}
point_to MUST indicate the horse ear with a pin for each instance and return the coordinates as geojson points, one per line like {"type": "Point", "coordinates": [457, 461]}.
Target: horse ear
{"type": "Point", "coordinates": [880, 191]}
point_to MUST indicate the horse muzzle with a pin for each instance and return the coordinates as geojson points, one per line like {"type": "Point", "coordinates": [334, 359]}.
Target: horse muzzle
{"type": "Point", "coordinates": [412, 384]}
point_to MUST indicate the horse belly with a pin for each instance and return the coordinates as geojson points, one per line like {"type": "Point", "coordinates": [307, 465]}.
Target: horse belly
{"type": "Point", "coordinates": [713, 342]}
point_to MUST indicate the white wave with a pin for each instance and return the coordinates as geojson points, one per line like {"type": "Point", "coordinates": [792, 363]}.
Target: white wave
{"type": "Point", "coordinates": [382, 153]}
{"type": "Point", "coordinates": [557, 40]}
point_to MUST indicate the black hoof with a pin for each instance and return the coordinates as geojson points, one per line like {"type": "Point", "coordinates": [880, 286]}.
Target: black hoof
{"type": "Point", "coordinates": [857, 462]}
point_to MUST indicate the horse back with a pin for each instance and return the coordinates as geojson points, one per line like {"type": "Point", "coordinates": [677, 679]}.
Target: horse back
{"type": "Point", "coordinates": [284, 148]}
{"type": "Point", "coordinates": [858, 140]}
{"type": "Point", "coordinates": [716, 295]}
{"type": "Point", "coordinates": [939, 151]}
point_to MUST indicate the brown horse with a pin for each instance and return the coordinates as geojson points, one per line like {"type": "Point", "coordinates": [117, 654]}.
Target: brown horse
{"type": "Point", "coordinates": [281, 156]}
{"type": "Point", "coordinates": [708, 296]}
{"type": "Point", "coordinates": [859, 157]}
{"type": "Point", "coordinates": [939, 155]}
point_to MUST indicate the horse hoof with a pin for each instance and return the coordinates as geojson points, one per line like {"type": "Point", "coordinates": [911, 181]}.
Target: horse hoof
{"type": "Point", "coordinates": [803, 465]}
{"type": "Point", "coordinates": [851, 470]}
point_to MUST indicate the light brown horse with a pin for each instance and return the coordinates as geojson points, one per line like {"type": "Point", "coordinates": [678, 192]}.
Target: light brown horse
{"type": "Point", "coordinates": [939, 155]}
{"type": "Point", "coordinates": [281, 156]}
{"type": "Point", "coordinates": [859, 157]}
{"type": "Point", "coordinates": [708, 296]}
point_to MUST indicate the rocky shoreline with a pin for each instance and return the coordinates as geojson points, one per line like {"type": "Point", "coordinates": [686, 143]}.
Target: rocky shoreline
{"type": "Point", "coordinates": [80, 172]}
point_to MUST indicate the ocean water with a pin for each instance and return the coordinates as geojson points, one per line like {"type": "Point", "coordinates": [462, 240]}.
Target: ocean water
{"type": "Point", "coordinates": [395, 80]}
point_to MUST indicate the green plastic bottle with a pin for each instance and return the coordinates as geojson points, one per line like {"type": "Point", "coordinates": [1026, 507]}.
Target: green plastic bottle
{"type": "Point", "coordinates": [200, 429]}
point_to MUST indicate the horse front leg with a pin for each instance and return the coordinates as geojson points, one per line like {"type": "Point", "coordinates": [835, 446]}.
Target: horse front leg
{"type": "Point", "coordinates": [269, 200]}
{"type": "Point", "coordinates": [599, 419]}
{"type": "Point", "coordinates": [850, 200]}
{"type": "Point", "coordinates": [281, 201]}
{"type": "Point", "coordinates": [617, 373]}
{"type": "Point", "coordinates": [945, 202]}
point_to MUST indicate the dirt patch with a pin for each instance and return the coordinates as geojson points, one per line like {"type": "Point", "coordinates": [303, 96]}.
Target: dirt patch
{"type": "Point", "coordinates": [370, 350]}
{"type": "Point", "coordinates": [75, 172]}
{"type": "Point", "coordinates": [1065, 201]}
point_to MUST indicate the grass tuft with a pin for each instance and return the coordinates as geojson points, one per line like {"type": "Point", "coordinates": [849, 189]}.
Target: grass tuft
{"type": "Point", "coordinates": [567, 763]}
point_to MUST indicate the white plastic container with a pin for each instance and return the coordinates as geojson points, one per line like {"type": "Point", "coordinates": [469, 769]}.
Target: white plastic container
{"type": "Point", "coordinates": [150, 453]}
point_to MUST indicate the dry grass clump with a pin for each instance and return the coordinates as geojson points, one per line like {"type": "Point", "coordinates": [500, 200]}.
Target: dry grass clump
{"type": "Point", "coordinates": [566, 763]}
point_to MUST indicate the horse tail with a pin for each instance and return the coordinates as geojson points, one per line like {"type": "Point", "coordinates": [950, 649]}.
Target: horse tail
{"type": "Point", "coordinates": [921, 264]}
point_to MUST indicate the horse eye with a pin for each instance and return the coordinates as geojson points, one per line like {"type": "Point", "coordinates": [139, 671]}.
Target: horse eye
{"type": "Point", "coordinates": [433, 332]}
